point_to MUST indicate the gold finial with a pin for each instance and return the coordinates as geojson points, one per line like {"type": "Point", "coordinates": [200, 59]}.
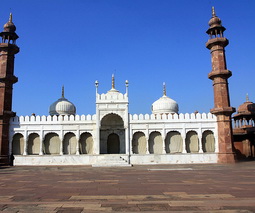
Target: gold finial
{"type": "Point", "coordinates": [164, 89]}
{"type": "Point", "coordinates": [213, 12]}
{"type": "Point", "coordinates": [247, 97]}
{"type": "Point", "coordinates": [113, 82]}
{"type": "Point", "coordinates": [10, 18]}
{"type": "Point", "coordinates": [63, 91]}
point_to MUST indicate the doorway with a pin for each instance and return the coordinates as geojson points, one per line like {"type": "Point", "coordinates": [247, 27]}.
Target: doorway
{"type": "Point", "coordinates": [113, 144]}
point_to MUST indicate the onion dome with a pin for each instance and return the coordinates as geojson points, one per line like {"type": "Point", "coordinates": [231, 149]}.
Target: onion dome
{"type": "Point", "coordinates": [215, 20]}
{"type": "Point", "coordinates": [215, 26]}
{"type": "Point", "coordinates": [165, 104]}
{"type": "Point", "coordinates": [247, 108]}
{"type": "Point", "coordinates": [62, 106]}
{"type": "Point", "coordinates": [9, 26]}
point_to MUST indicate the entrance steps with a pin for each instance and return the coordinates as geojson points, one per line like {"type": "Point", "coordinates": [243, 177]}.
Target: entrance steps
{"type": "Point", "coordinates": [112, 160]}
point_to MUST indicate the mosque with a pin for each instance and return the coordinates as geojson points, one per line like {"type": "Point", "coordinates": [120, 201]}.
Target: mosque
{"type": "Point", "coordinates": [113, 136]}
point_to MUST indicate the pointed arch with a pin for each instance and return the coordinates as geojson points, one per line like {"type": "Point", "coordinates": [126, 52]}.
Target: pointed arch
{"type": "Point", "coordinates": [139, 143]}
{"type": "Point", "coordinates": [86, 143]}
{"type": "Point", "coordinates": [69, 144]}
{"type": "Point", "coordinates": [173, 142]}
{"type": "Point", "coordinates": [113, 144]}
{"type": "Point", "coordinates": [51, 144]}
{"type": "Point", "coordinates": [18, 144]}
{"type": "Point", "coordinates": [33, 144]}
{"type": "Point", "coordinates": [155, 143]}
{"type": "Point", "coordinates": [208, 141]}
{"type": "Point", "coordinates": [192, 142]}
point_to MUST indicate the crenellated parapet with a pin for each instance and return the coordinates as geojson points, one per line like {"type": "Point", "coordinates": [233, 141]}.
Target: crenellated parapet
{"type": "Point", "coordinates": [52, 119]}
{"type": "Point", "coordinates": [175, 117]}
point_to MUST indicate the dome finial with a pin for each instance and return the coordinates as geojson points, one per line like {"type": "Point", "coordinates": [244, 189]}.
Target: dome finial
{"type": "Point", "coordinates": [213, 12]}
{"type": "Point", "coordinates": [113, 82]}
{"type": "Point", "coordinates": [63, 91]}
{"type": "Point", "coordinates": [10, 18]}
{"type": "Point", "coordinates": [164, 89]}
{"type": "Point", "coordinates": [247, 97]}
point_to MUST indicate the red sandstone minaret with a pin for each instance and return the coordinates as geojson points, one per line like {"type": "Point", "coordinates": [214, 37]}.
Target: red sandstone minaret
{"type": "Point", "coordinates": [219, 74]}
{"type": "Point", "coordinates": [8, 49]}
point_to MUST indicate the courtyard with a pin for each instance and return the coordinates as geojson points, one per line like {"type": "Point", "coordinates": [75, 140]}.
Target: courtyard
{"type": "Point", "coordinates": [216, 188]}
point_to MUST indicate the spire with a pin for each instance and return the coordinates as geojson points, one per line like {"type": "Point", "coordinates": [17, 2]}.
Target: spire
{"type": "Point", "coordinates": [63, 91]}
{"type": "Point", "coordinates": [213, 12]}
{"type": "Point", "coordinates": [247, 97]}
{"type": "Point", "coordinates": [164, 89]}
{"type": "Point", "coordinates": [10, 18]}
{"type": "Point", "coordinates": [113, 82]}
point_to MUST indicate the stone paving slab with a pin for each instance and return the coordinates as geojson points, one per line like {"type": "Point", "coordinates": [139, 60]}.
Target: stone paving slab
{"type": "Point", "coordinates": [194, 188]}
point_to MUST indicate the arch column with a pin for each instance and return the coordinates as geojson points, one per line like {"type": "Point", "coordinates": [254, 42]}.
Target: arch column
{"type": "Point", "coordinates": [147, 134]}
{"type": "Point", "coordinates": [163, 145]}
{"type": "Point", "coordinates": [77, 140]}
{"type": "Point", "coordinates": [96, 147]}
{"type": "Point", "coordinates": [183, 135]}
{"type": "Point", "coordinates": [25, 143]}
{"type": "Point", "coordinates": [216, 141]}
{"type": "Point", "coordinates": [61, 138]}
{"type": "Point", "coordinates": [163, 136]}
{"type": "Point", "coordinates": [200, 150]}
{"type": "Point", "coordinates": [147, 145]}
{"type": "Point", "coordinates": [41, 136]}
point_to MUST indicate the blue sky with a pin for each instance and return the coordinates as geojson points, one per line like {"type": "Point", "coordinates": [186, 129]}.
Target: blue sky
{"type": "Point", "coordinates": [148, 42]}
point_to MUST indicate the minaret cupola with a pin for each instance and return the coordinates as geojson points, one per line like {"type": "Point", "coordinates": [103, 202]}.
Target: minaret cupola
{"type": "Point", "coordinates": [9, 35]}
{"type": "Point", "coordinates": [215, 25]}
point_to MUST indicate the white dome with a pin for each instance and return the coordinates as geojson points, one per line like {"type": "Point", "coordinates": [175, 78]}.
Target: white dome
{"type": "Point", "coordinates": [62, 107]}
{"type": "Point", "coordinates": [165, 105]}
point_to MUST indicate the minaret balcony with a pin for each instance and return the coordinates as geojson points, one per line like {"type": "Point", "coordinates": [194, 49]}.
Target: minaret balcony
{"type": "Point", "coordinates": [219, 73]}
{"type": "Point", "coordinates": [220, 41]}
{"type": "Point", "coordinates": [223, 111]}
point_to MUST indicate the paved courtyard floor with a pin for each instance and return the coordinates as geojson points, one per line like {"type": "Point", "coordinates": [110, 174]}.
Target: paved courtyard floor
{"type": "Point", "coordinates": [162, 188]}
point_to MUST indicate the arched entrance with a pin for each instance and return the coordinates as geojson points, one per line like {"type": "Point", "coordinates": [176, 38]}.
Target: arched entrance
{"type": "Point", "coordinates": [33, 144]}
{"type": "Point", "coordinates": [18, 144]}
{"type": "Point", "coordinates": [112, 135]}
{"type": "Point", "coordinates": [139, 143]}
{"type": "Point", "coordinates": [86, 143]}
{"type": "Point", "coordinates": [113, 144]}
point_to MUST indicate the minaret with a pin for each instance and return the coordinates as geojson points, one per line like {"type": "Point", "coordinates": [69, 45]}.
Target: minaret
{"type": "Point", "coordinates": [219, 75]}
{"type": "Point", "coordinates": [8, 49]}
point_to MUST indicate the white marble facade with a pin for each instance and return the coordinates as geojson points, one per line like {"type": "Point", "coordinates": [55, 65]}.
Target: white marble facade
{"type": "Point", "coordinates": [113, 136]}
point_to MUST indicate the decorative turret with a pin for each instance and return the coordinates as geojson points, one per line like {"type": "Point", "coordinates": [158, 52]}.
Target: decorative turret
{"type": "Point", "coordinates": [219, 74]}
{"type": "Point", "coordinates": [8, 49]}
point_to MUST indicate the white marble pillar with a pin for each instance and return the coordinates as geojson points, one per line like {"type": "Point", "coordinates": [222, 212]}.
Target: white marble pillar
{"type": "Point", "coordinates": [200, 148]}
{"type": "Point", "coordinates": [61, 137]}
{"type": "Point", "coordinates": [97, 138]}
{"type": "Point", "coordinates": [147, 134]}
{"type": "Point", "coordinates": [147, 145]}
{"type": "Point", "coordinates": [41, 135]}
{"type": "Point", "coordinates": [163, 141]}
{"type": "Point", "coordinates": [77, 140]}
{"type": "Point", "coordinates": [163, 145]}
{"type": "Point", "coordinates": [25, 143]}
{"type": "Point", "coordinates": [183, 135]}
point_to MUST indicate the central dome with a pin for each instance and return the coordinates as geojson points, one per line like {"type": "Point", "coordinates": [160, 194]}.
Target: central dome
{"type": "Point", "coordinates": [165, 105]}
{"type": "Point", "coordinates": [62, 106]}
